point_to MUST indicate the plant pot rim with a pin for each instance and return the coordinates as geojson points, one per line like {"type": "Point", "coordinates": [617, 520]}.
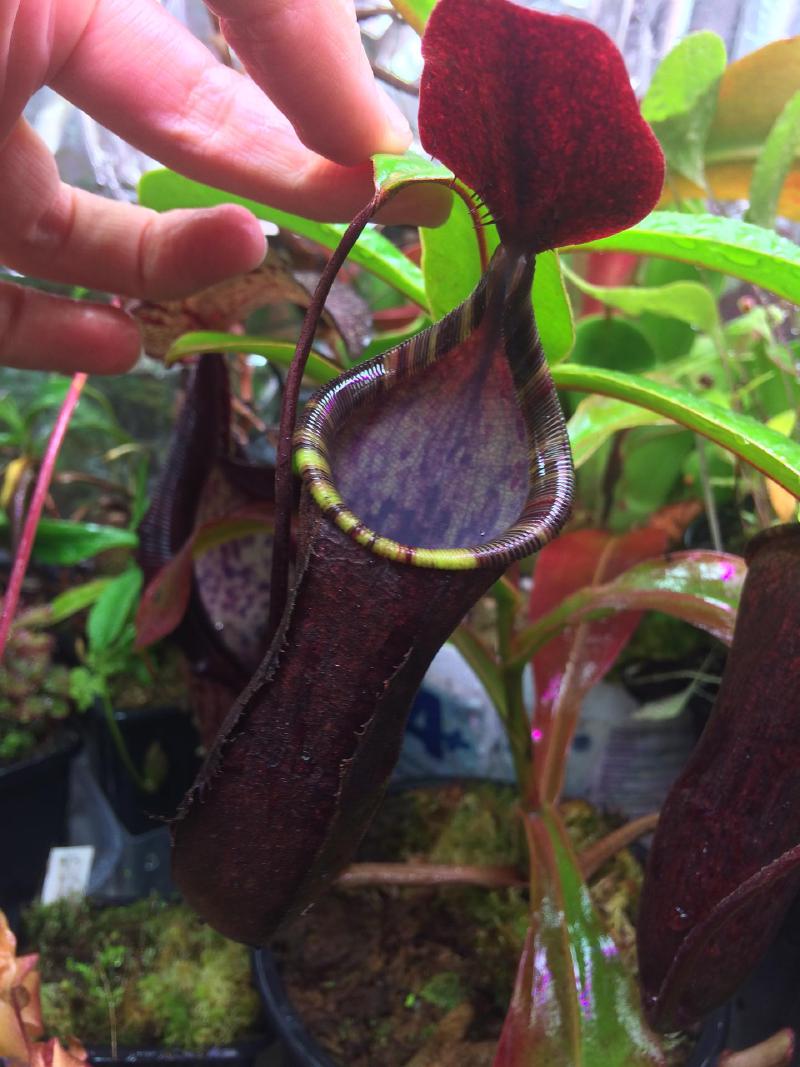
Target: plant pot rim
{"type": "Point", "coordinates": [62, 745]}
{"type": "Point", "coordinates": [303, 1049]}
{"type": "Point", "coordinates": [281, 1014]}
{"type": "Point", "coordinates": [245, 1049]}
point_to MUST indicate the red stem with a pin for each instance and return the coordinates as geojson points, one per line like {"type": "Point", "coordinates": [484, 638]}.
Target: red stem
{"type": "Point", "coordinates": [430, 874]}
{"type": "Point", "coordinates": [40, 491]}
{"type": "Point", "coordinates": [283, 463]}
{"type": "Point", "coordinates": [477, 223]}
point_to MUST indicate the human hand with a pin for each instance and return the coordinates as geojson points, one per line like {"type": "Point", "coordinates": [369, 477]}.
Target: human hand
{"type": "Point", "coordinates": [142, 74]}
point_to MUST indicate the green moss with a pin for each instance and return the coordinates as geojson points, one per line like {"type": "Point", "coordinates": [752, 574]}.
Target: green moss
{"type": "Point", "coordinates": [445, 990]}
{"type": "Point", "coordinates": [448, 824]}
{"type": "Point", "coordinates": [150, 973]}
{"type": "Point", "coordinates": [482, 828]}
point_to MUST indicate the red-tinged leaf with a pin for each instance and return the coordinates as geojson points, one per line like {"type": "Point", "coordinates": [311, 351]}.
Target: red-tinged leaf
{"type": "Point", "coordinates": [725, 862]}
{"type": "Point", "coordinates": [574, 1003]}
{"type": "Point", "coordinates": [702, 588]}
{"type": "Point", "coordinates": [537, 114]}
{"type": "Point", "coordinates": [582, 653]}
{"type": "Point", "coordinates": [166, 598]}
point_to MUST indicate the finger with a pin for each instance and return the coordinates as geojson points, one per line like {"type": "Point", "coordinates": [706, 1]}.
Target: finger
{"type": "Point", "coordinates": [48, 229]}
{"type": "Point", "coordinates": [39, 331]}
{"type": "Point", "coordinates": [142, 74]}
{"type": "Point", "coordinates": [308, 57]}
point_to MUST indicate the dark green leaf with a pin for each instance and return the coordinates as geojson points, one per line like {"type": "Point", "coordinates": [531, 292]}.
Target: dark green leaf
{"type": "Point", "coordinates": [652, 462]}
{"type": "Point", "coordinates": [65, 543]}
{"type": "Point", "coordinates": [613, 343]}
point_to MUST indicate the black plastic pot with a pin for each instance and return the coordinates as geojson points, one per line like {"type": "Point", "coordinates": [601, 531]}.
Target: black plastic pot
{"type": "Point", "coordinates": [303, 1051]}
{"type": "Point", "coordinates": [282, 1019]}
{"type": "Point", "coordinates": [174, 732]}
{"type": "Point", "coordinates": [242, 1054]}
{"type": "Point", "coordinates": [33, 818]}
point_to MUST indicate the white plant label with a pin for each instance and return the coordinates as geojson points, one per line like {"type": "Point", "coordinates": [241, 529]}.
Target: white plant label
{"type": "Point", "coordinates": [68, 871]}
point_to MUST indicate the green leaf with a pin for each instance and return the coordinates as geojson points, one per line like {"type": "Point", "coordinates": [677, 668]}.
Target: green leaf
{"type": "Point", "coordinates": [682, 98]}
{"type": "Point", "coordinates": [652, 461]}
{"type": "Point", "coordinates": [611, 342]}
{"type": "Point", "coordinates": [74, 600]}
{"type": "Point", "coordinates": [598, 418]}
{"type": "Point", "coordinates": [727, 245]}
{"type": "Point", "coordinates": [164, 190]}
{"type": "Point", "coordinates": [574, 1003]}
{"type": "Point", "coordinates": [415, 12]}
{"type": "Point", "coordinates": [552, 308]}
{"type": "Point", "coordinates": [451, 263]}
{"type": "Point", "coordinates": [382, 342]}
{"type": "Point", "coordinates": [319, 369]}
{"type": "Point", "coordinates": [391, 171]}
{"type": "Point", "coordinates": [773, 165]}
{"type": "Point", "coordinates": [93, 413]}
{"type": "Point", "coordinates": [63, 543]}
{"type": "Point", "coordinates": [770, 452]}
{"type": "Point", "coordinates": [689, 302]}
{"type": "Point", "coordinates": [11, 415]}
{"type": "Point", "coordinates": [114, 609]}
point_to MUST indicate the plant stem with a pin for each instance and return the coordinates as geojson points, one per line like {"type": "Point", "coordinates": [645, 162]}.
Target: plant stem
{"type": "Point", "coordinates": [480, 236]}
{"type": "Point", "coordinates": [141, 782]}
{"type": "Point", "coordinates": [430, 874]}
{"type": "Point", "coordinates": [283, 464]}
{"type": "Point", "coordinates": [43, 479]}
{"type": "Point", "coordinates": [708, 494]}
{"type": "Point", "coordinates": [484, 663]}
{"type": "Point", "coordinates": [595, 855]}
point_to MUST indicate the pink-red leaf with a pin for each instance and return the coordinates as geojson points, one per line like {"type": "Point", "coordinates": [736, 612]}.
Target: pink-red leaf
{"type": "Point", "coordinates": [702, 588]}
{"type": "Point", "coordinates": [537, 114]}
{"type": "Point", "coordinates": [582, 653]}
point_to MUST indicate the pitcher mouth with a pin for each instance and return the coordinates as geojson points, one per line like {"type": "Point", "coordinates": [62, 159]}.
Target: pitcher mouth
{"type": "Point", "coordinates": [501, 308]}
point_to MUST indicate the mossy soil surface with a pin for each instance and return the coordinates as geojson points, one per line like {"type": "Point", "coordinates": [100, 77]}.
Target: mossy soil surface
{"type": "Point", "coordinates": [422, 977]}
{"type": "Point", "coordinates": [146, 975]}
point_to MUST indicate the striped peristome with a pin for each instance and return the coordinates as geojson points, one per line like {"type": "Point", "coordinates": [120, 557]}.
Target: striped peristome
{"type": "Point", "coordinates": [503, 292]}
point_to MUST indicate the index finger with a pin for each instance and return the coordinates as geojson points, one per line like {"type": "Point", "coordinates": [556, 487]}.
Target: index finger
{"type": "Point", "coordinates": [308, 57]}
{"type": "Point", "coordinates": [141, 73]}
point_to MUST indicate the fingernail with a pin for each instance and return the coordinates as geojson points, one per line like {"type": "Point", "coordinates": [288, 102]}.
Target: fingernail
{"type": "Point", "coordinates": [399, 131]}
